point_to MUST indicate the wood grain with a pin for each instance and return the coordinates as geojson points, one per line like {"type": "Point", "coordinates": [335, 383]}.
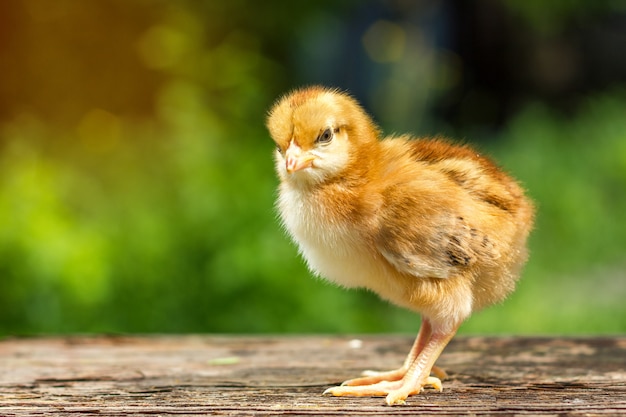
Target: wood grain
{"type": "Point", "coordinates": [237, 375]}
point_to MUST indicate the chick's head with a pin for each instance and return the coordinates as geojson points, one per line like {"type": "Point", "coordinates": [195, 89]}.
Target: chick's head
{"type": "Point", "coordinates": [316, 131]}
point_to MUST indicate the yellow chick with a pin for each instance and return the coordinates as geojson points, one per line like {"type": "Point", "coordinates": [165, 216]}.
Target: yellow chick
{"type": "Point", "coordinates": [428, 225]}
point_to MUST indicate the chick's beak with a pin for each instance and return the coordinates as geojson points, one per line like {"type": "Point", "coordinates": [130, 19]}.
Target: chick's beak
{"type": "Point", "coordinates": [296, 159]}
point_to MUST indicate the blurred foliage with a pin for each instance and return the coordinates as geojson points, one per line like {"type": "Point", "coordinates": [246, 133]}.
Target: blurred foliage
{"type": "Point", "coordinates": [551, 17]}
{"type": "Point", "coordinates": [137, 184]}
{"type": "Point", "coordinates": [575, 169]}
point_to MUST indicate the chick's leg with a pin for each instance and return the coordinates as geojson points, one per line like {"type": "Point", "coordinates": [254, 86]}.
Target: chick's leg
{"type": "Point", "coordinates": [417, 375]}
{"type": "Point", "coordinates": [373, 377]}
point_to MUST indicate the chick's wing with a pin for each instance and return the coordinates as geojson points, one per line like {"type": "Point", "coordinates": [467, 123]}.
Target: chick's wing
{"type": "Point", "coordinates": [436, 248]}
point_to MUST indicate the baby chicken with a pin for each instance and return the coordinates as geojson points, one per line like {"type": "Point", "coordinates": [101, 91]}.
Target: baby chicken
{"type": "Point", "coordinates": [430, 226]}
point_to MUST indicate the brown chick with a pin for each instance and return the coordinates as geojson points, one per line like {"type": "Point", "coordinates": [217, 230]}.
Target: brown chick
{"type": "Point", "coordinates": [427, 225]}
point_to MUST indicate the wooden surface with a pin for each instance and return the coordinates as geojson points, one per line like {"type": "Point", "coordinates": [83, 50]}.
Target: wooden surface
{"type": "Point", "coordinates": [207, 375]}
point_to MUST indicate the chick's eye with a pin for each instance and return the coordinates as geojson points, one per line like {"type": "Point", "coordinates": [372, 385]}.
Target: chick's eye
{"type": "Point", "coordinates": [325, 137]}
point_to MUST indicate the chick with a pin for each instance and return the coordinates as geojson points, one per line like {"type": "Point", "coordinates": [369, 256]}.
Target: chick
{"type": "Point", "coordinates": [428, 225]}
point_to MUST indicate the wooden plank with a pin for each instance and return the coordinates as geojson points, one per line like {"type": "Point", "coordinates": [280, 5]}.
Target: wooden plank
{"type": "Point", "coordinates": [224, 375]}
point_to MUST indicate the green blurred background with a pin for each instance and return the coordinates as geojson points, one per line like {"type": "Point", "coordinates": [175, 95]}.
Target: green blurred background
{"type": "Point", "coordinates": [136, 175]}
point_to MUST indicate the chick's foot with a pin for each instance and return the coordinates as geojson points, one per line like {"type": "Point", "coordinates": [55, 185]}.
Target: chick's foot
{"type": "Point", "coordinates": [411, 378]}
{"type": "Point", "coordinates": [396, 392]}
{"type": "Point", "coordinates": [373, 377]}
